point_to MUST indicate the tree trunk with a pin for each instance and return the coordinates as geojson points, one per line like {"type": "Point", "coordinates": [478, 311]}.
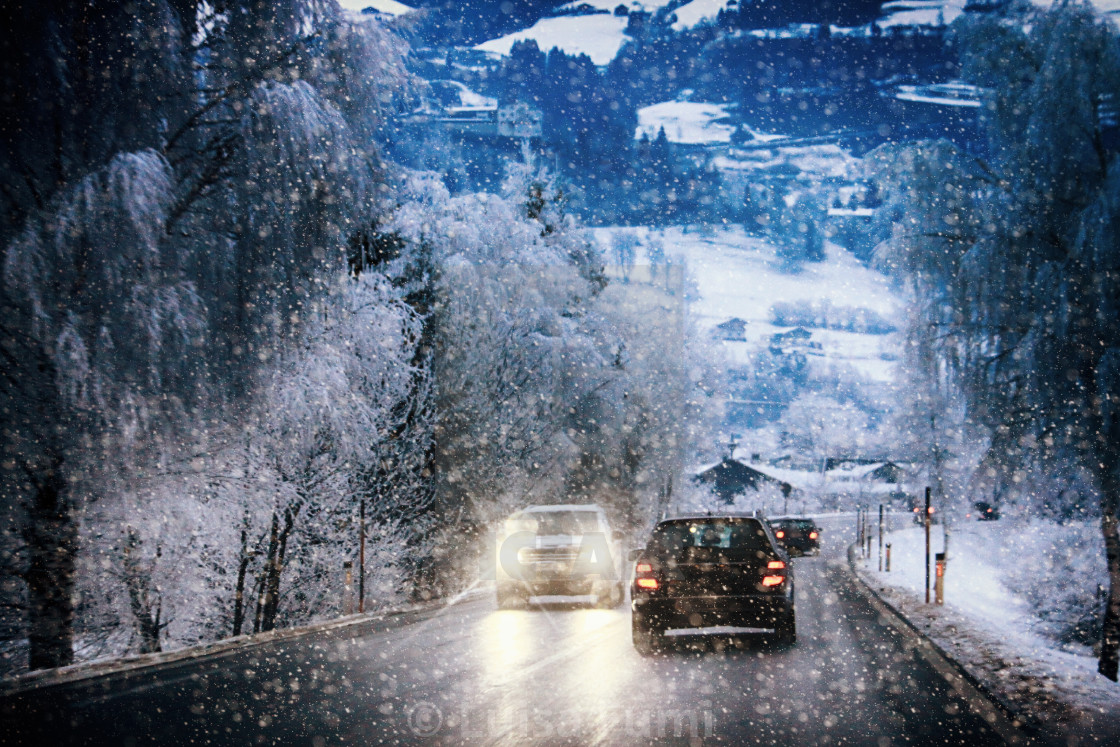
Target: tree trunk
{"type": "Point", "coordinates": [1110, 632]}
{"type": "Point", "coordinates": [264, 582]}
{"type": "Point", "coordinates": [275, 569]}
{"type": "Point", "coordinates": [139, 583]}
{"type": "Point", "coordinates": [52, 541]}
{"type": "Point", "coordinates": [239, 591]}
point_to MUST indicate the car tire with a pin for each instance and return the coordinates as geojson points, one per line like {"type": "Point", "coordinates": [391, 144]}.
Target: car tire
{"type": "Point", "coordinates": [785, 632]}
{"type": "Point", "coordinates": [647, 641]}
{"type": "Point", "coordinates": [511, 598]}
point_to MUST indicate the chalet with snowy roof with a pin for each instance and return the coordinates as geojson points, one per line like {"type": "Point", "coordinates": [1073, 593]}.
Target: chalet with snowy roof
{"type": "Point", "coordinates": [731, 477]}
{"type": "Point", "coordinates": [733, 330]}
{"type": "Point", "coordinates": [867, 470]}
{"type": "Point", "coordinates": [795, 334]}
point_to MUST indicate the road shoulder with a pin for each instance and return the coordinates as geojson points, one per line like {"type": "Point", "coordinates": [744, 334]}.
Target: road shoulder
{"type": "Point", "coordinates": [351, 625]}
{"type": "Point", "coordinates": [1002, 716]}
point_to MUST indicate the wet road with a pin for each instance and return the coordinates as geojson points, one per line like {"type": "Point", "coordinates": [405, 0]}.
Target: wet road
{"type": "Point", "coordinates": [554, 674]}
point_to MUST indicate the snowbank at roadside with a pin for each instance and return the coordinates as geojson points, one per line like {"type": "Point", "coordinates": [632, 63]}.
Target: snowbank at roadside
{"type": "Point", "coordinates": [989, 623]}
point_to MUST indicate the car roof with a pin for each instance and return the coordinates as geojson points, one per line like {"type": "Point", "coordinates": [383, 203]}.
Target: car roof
{"type": "Point", "coordinates": [708, 517]}
{"type": "Point", "coordinates": [562, 507]}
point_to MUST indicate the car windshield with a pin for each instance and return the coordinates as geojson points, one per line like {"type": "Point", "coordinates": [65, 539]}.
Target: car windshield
{"type": "Point", "coordinates": [710, 540]}
{"type": "Point", "coordinates": [546, 523]}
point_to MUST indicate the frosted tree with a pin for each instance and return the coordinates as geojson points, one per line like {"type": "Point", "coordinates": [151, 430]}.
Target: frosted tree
{"type": "Point", "coordinates": [1013, 259]}
{"type": "Point", "coordinates": [160, 248]}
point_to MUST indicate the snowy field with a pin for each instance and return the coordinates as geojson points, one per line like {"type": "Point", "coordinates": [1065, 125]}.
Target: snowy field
{"type": "Point", "coordinates": [649, 6]}
{"type": "Point", "coordinates": [737, 275]}
{"type": "Point", "coordinates": [696, 12]}
{"type": "Point", "coordinates": [939, 12]}
{"type": "Point", "coordinates": [598, 36]}
{"type": "Point", "coordinates": [988, 623]}
{"type": "Point", "coordinates": [685, 122]}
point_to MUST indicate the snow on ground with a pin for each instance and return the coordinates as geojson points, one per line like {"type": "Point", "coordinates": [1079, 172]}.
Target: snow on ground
{"type": "Point", "coordinates": [388, 7]}
{"type": "Point", "coordinates": [649, 6]}
{"type": "Point", "coordinates": [598, 36]}
{"type": "Point", "coordinates": [920, 12]}
{"type": "Point", "coordinates": [987, 626]}
{"type": "Point", "coordinates": [938, 12]}
{"type": "Point", "coordinates": [685, 122]}
{"type": "Point", "coordinates": [824, 160]}
{"type": "Point", "coordinates": [467, 98]}
{"type": "Point", "coordinates": [697, 11]}
{"type": "Point", "coordinates": [738, 275]}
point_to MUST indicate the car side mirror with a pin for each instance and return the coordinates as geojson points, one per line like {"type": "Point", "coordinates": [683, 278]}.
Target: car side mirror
{"type": "Point", "coordinates": [634, 554]}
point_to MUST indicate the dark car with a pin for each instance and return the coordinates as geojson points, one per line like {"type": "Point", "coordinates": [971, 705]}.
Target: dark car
{"type": "Point", "coordinates": [986, 511]}
{"type": "Point", "coordinates": [712, 575]}
{"type": "Point", "coordinates": [800, 536]}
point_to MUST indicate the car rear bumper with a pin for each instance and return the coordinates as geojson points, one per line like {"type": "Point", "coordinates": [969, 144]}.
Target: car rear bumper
{"type": "Point", "coordinates": [753, 611]}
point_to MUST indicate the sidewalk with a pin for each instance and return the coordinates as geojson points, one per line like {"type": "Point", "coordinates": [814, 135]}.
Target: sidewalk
{"type": "Point", "coordinates": [988, 631]}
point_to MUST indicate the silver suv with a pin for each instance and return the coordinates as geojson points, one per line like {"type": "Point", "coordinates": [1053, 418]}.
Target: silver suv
{"type": "Point", "coordinates": [563, 550]}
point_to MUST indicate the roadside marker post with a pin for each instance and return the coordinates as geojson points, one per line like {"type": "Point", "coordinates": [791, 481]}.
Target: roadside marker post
{"type": "Point", "coordinates": [347, 599]}
{"type": "Point", "coordinates": [927, 523]}
{"type": "Point", "coordinates": [939, 584]}
{"type": "Point", "coordinates": [888, 569]}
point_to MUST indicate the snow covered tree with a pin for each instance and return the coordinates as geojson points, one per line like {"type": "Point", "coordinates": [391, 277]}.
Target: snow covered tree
{"type": "Point", "coordinates": [160, 247]}
{"type": "Point", "coordinates": [1013, 260]}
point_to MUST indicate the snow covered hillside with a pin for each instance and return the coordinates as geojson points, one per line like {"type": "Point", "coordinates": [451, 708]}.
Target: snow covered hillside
{"type": "Point", "coordinates": [740, 276]}
{"type": "Point", "coordinates": [598, 36]}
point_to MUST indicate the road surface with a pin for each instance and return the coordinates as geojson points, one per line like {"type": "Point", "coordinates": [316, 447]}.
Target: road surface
{"type": "Point", "coordinates": [555, 674]}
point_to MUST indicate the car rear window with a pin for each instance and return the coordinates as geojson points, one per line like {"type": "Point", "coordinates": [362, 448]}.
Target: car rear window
{"type": "Point", "coordinates": [711, 540]}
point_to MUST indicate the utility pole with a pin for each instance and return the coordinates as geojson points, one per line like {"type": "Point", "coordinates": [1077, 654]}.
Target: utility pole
{"type": "Point", "coordinates": [859, 525]}
{"type": "Point", "coordinates": [926, 522]}
{"type": "Point", "coordinates": [880, 536]}
{"type": "Point", "coordinates": [362, 556]}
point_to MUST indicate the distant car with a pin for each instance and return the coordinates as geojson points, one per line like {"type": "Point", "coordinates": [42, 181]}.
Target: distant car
{"type": "Point", "coordinates": [986, 511]}
{"type": "Point", "coordinates": [798, 535]}
{"type": "Point", "coordinates": [712, 575]}
{"type": "Point", "coordinates": [562, 550]}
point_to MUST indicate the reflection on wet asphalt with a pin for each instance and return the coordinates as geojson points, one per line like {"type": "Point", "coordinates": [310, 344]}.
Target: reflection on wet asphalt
{"type": "Point", "coordinates": [551, 674]}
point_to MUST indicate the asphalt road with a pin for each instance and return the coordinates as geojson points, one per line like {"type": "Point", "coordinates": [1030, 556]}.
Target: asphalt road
{"type": "Point", "coordinates": [553, 674]}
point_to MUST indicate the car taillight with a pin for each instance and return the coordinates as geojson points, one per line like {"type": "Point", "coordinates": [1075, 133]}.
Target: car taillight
{"type": "Point", "coordinates": [812, 535]}
{"type": "Point", "coordinates": [779, 534]}
{"type": "Point", "coordinates": [775, 565]}
{"type": "Point", "coordinates": [647, 583]}
{"type": "Point", "coordinates": [643, 568]}
{"type": "Point", "coordinates": [772, 580]}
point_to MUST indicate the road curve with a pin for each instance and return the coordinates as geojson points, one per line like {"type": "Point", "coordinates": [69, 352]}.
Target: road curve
{"type": "Point", "coordinates": [550, 675]}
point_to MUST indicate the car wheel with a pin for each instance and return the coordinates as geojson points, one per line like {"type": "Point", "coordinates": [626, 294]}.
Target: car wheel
{"type": "Point", "coordinates": [786, 629]}
{"type": "Point", "coordinates": [646, 640]}
{"type": "Point", "coordinates": [511, 598]}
